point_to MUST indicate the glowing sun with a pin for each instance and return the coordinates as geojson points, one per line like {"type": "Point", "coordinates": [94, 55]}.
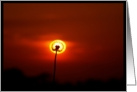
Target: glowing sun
{"type": "Point", "coordinates": [61, 44]}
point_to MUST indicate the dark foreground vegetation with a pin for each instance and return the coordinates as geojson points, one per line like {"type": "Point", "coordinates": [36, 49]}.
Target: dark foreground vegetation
{"type": "Point", "coordinates": [14, 80]}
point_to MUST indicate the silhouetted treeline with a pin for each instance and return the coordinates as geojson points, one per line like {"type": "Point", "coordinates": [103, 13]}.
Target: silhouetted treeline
{"type": "Point", "coordinates": [14, 80]}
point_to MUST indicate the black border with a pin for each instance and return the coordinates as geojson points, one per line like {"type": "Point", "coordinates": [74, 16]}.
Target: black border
{"type": "Point", "coordinates": [124, 40]}
{"type": "Point", "coordinates": [124, 28]}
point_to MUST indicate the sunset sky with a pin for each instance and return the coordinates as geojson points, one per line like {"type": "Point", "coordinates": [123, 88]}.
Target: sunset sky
{"type": "Point", "coordinates": [93, 33]}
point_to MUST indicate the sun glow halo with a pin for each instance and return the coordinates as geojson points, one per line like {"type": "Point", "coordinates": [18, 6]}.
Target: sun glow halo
{"type": "Point", "coordinates": [60, 43]}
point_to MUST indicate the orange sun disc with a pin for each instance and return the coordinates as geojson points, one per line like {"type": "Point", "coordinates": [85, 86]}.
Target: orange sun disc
{"type": "Point", "coordinates": [61, 44]}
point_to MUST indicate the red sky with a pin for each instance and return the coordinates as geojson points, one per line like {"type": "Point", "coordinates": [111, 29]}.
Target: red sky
{"type": "Point", "coordinates": [93, 33]}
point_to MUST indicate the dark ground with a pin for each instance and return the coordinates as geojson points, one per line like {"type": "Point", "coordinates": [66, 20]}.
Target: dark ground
{"type": "Point", "coordinates": [14, 80]}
